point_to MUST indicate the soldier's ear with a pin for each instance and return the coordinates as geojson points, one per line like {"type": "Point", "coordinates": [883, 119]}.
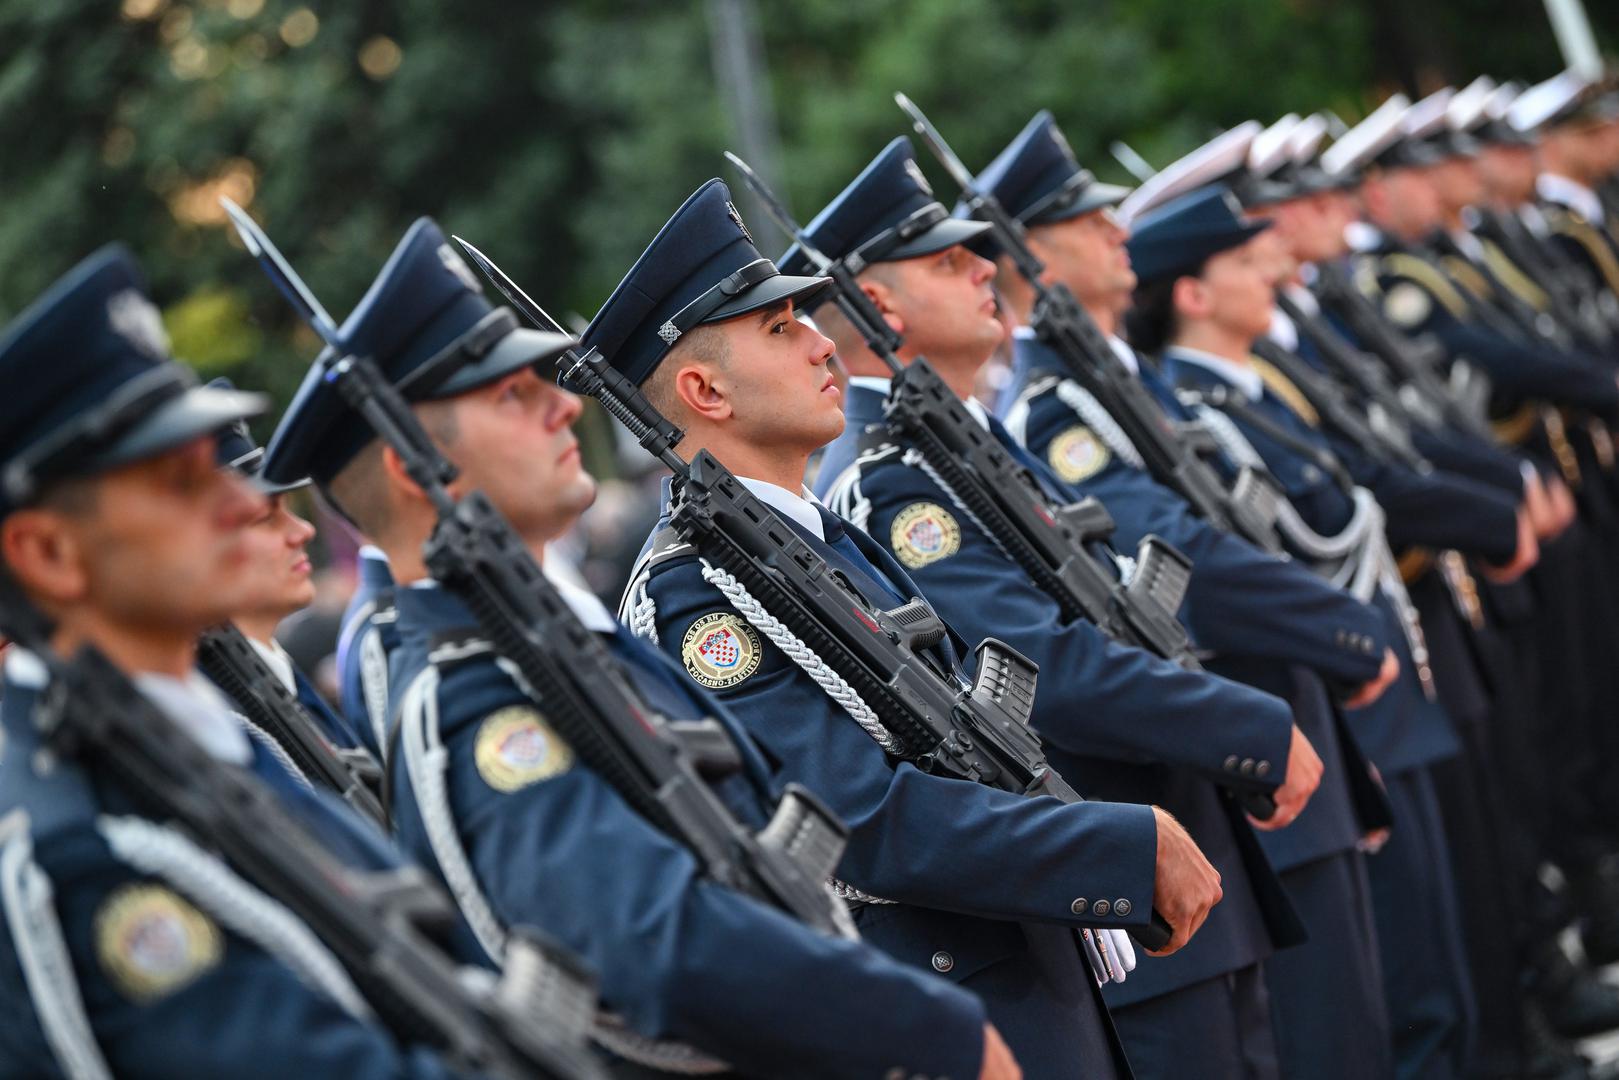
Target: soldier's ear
{"type": "Point", "coordinates": [700, 389]}
{"type": "Point", "coordinates": [1190, 298]}
{"type": "Point", "coordinates": [881, 294]}
{"type": "Point", "coordinates": [45, 556]}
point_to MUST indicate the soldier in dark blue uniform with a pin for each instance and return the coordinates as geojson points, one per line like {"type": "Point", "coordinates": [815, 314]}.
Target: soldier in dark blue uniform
{"type": "Point", "coordinates": [483, 787]}
{"type": "Point", "coordinates": [364, 644]}
{"type": "Point", "coordinates": [1272, 623]}
{"type": "Point", "coordinates": [984, 887]}
{"type": "Point", "coordinates": [129, 950]}
{"type": "Point", "coordinates": [1205, 294]}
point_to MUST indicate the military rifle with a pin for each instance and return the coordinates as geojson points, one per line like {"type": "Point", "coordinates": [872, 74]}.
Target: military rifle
{"type": "Point", "coordinates": [1335, 407]}
{"type": "Point", "coordinates": [528, 1025]}
{"type": "Point", "coordinates": [657, 766]}
{"type": "Point", "coordinates": [1060, 321]}
{"type": "Point", "coordinates": [1051, 543]}
{"type": "Point", "coordinates": [226, 656]}
{"type": "Point", "coordinates": [926, 715]}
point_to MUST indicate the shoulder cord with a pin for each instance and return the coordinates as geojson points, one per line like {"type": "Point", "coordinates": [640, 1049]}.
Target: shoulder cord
{"type": "Point", "coordinates": [1016, 420]}
{"type": "Point", "coordinates": [1099, 420]}
{"type": "Point", "coordinates": [846, 498]}
{"type": "Point", "coordinates": [374, 684]}
{"type": "Point", "coordinates": [274, 749]}
{"type": "Point", "coordinates": [27, 897]}
{"type": "Point", "coordinates": [165, 853]}
{"type": "Point", "coordinates": [426, 762]}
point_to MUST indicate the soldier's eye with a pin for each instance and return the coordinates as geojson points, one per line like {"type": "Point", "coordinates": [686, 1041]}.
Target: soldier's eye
{"type": "Point", "coordinates": [779, 328]}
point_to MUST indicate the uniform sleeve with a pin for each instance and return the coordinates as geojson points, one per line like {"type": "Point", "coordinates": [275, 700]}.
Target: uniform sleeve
{"type": "Point", "coordinates": [1243, 601]}
{"type": "Point", "coordinates": [171, 995]}
{"type": "Point", "coordinates": [1096, 697]}
{"type": "Point", "coordinates": [916, 838]}
{"type": "Point", "coordinates": [1473, 458]}
{"type": "Point", "coordinates": [1527, 370]}
{"type": "Point", "coordinates": [556, 847]}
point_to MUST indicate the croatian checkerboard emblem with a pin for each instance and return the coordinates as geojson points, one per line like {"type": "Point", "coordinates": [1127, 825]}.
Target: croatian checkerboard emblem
{"type": "Point", "coordinates": [720, 650]}
{"type": "Point", "coordinates": [924, 533]}
{"type": "Point", "coordinates": [151, 942]}
{"type": "Point", "coordinates": [1077, 454]}
{"type": "Point", "coordinates": [516, 747]}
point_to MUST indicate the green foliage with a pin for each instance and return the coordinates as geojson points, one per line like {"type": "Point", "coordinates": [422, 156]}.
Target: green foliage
{"type": "Point", "coordinates": [559, 137]}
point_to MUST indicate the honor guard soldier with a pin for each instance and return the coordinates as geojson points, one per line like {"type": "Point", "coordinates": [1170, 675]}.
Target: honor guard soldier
{"type": "Point", "coordinates": [1272, 623]}
{"type": "Point", "coordinates": [364, 644]}
{"type": "Point", "coordinates": [981, 885]}
{"type": "Point", "coordinates": [486, 790]}
{"type": "Point", "coordinates": [131, 950]}
{"type": "Point", "coordinates": [1205, 294]}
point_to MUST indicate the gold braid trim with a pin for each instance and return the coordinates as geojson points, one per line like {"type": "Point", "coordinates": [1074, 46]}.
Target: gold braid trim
{"type": "Point", "coordinates": [1515, 279]}
{"type": "Point", "coordinates": [1514, 430]}
{"type": "Point", "coordinates": [1409, 266]}
{"type": "Point", "coordinates": [1413, 563]}
{"type": "Point", "coordinates": [1562, 449]}
{"type": "Point", "coordinates": [1588, 237]}
{"type": "Point", "coordinates": [1284, 388]}
{"type": "Point", "coordinates": [1468, 277]}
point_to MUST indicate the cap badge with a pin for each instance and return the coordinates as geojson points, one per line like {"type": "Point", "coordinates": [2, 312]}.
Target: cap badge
{"type": "Point", "coordinates": [669, 332]}
{"type": "Point", "coordinates": [924, 533]}
{"type": "Point", "coordinates": [736, 217]}
{"type": "Point", "coordinates": [720, 650]}
{"type": "Point", "coordinates": [516, 747]}
{"type": "Point", "coordinates": [915, 172]}
{"type": "Point", "coordinates": [136, 320]}
{"type": "Point", "coordinates": [458, 266]}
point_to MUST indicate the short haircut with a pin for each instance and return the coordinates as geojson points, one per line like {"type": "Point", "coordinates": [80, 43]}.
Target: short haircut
{"type": "Point", "coordinates": [357, 491]}
{"type": "Point", "coordinates": [704, 344]}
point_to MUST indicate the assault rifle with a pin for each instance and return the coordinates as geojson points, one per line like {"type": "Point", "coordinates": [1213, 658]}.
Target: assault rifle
{"type": "Point", "coordinates": [1412, 361]}
{"type": "Point", "coordinates": [528, 1025]}
{"type": "Point", "coordinates": [1059, 320]}
{"type": "Point", "coordinates": [226, 656]}
{"type": "Point", "coordinates": [1051, 543]}
{"type": "Point", "coordinates": [927, 717]}
{"type": "Point", "coordinates": [1335, 407]}
{"type": "Point", "coordinates": [656, 766]}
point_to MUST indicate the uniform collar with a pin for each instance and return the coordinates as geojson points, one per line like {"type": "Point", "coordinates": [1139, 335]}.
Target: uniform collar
{"type": "Point", "coordinates": [1127, 355]}
{"type": "Point", "coordinates": [881, 385]}
{"type": "Point", "coordinates": [584, 604]}
{"type": "Point", "coordinates": [200, 711]}
{"type": "Point", "coordinates": [278, 660]}
{"type": "Point", "coordinates": [1283, 330]}
{"type": "Point", "coordinates": [1572, 194]}
{"type": "Point", "coordinates": [1302, 296]}
{"type": "Point", "coordinates": [1243, 377]}
{"type": "Point", "coordinates": [1363, 236]}
{"type": "Point", "coordinates": [801, 508]}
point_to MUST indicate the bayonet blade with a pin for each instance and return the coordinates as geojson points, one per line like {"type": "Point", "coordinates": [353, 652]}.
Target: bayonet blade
{"type": "Point", "coordinates": [510, 289]}
{"type": "Point", "coordinates": [941, 149]}
{"type": "Point", "coordinates": [778, 211]}
{"type": "Point", "coordinates": [281, 273]}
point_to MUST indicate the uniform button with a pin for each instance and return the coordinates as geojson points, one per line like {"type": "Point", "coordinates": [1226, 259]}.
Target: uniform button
{"type": "Point", "coordinates": [1121, 907]}
{"type": "Point", "coordinates": [1262, 769]}
{"type": "Point", "coordinates": [1312, 474]}
{"type": "Point", "coordinates": [1078, 906]}
{"type": "Point", "coordinates": [1101, 907]}
{"type": "Point", "coordinates": [943, 962]}
{"type": "Point", "coordinates": [1231, 763]}
{"type": "Point", "coordinates": [1247, 766]}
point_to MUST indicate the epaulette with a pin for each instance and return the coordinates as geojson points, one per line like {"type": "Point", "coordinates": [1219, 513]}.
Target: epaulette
{"type": "Point", "coordinates": [1588, 237]}
{"type": "Point", "coordinates": [1401, 264]}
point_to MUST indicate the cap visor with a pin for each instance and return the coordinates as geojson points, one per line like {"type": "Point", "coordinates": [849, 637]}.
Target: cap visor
{"type": "Point", "coordinates": [803, 291]}
{"type": "Point", "coordinates": [946, 234]}
{"type": "Point", "coordinates": [199, 411]}
{"type": "Point", "coordinates": [520, 348]}
{"type": "Point", "coordinates": [1095, 197]}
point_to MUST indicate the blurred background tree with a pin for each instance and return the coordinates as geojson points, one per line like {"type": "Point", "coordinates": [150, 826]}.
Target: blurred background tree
{"type": "Point", "coordinates": [560, 136]}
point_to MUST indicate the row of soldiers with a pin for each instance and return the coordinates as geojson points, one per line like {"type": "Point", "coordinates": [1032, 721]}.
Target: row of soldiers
{"type": "Point", "coordinates": [1287, 545]}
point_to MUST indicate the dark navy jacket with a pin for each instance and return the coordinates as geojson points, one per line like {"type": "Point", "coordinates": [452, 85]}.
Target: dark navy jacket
{"type": "Point", "coordinates": [679, 956]}
{"type": "Point", "coordinates": [1119, 723]}
{"type": "Point", "coordinates": [1402, 729]}
{"type": "Point", "coordinates": [368, 629]}
{"type": "Point", "coordinates": [242, 1013]}
{"type": "Point", "coordinates": [967, 862]}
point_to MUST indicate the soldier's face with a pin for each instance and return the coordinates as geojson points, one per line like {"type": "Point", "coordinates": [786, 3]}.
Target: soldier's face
{"type": "Point", "coordinates": [1508, 172]}
{"type": "Point", "coordinates": [160, 546]}
{"type": "Point", "coordinates": [776, 381]}
{"type": "Point", "coordinates": [278, 561]}
{"type": "Point", "coordinates": [1410, 203]}
{"type": "Point", "coordinates": [945, 305]}
{"type": "Point", "coordinates": [513, 440]}
{"type": "Point", "coordinates": [1087, 254]}
{"type": "Point", "coordinates": [1458, 182]}
{"type": "Point", "coordinates": [1237, 289]}
{"type": "Point", "coordinates": [1304, 228]}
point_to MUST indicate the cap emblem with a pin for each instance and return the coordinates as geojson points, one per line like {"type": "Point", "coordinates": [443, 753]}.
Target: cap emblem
{"type": "Point", "coordinates": [915, 172]}
{"type": "Point", "coordinates": [136, 320]}
{"type": "Point", "coordinates": [458, 266]}
{"type": "Point", "coordinates": [669, 332]}
{"type": "Point", "coordinates": [736, 217]}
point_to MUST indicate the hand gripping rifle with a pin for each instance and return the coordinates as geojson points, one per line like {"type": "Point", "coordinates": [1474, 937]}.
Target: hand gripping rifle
{"type": "Point", "coordinates": [1059, 320]}
{"type": "Point", "coordinates": [528, 1025]}
{"type": "Point", "coordinates": [226, 656]}
{"type": "Point", "coordinates": [1051, 543]}
{"type": "Point", "coordinates": [656, 766]}
{"type": "Point", "coordinates": [927, 716]}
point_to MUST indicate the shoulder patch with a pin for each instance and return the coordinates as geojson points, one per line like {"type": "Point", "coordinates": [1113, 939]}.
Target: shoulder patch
{"type": "Point", "coordinates": [516, 747]}
{"type": "Point", "coordinates": [151, 942]}
{"type": "Point", "coordinates": [721, 650]}
{"type": "Point", "coordinates": [924, 533]}
{"type": "Point", "coordinates": [1407, 305]}
{"type": "Point", "coordinates": [1077, 454]}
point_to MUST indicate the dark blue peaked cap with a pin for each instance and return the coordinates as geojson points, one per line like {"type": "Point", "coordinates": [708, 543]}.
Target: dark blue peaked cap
{"type": "Point", "coordinates": [887, 214]}
{"type": "Point", "coordinates": [90, 385]}
{"type": "Point", "coordinates": [1038, 180]}
{"type": "Point", "coordinates": [1179, 236]}
{"type": "Point", "coordinates": [235, 448]}
{"type": "Point", "coordinates": [426, 324]}
{"type": "Point", "coordinates": [702, 267]}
